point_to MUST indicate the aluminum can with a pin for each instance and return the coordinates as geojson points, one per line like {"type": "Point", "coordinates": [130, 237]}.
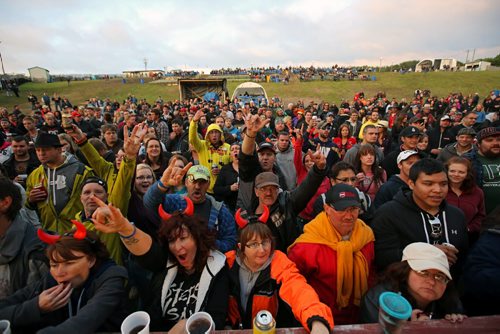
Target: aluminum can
{"type": "Point", "coordinates": [264, 323]}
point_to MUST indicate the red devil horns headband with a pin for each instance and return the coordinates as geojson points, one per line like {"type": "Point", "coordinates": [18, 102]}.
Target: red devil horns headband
{"type": "Point", "coordinates": [52, 238]}
{"type": "Point", "coordinates": [188, 211]}
{"type": "Point", "coordinates": [242, 222]}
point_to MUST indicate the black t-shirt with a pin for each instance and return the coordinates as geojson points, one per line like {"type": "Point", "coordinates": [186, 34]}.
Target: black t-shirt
{"type": "Point", "coordinates": [181, 297]}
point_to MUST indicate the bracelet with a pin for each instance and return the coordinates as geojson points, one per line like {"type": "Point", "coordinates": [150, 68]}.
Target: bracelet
{"type": "Point", "coordinates": [246, 134]}
{"type": "Point", "coordinates": [162, 185]}
{"type": "Point", "coordinates": [81, 141]}
{"type": "Point", "coordinates": [131, 234]}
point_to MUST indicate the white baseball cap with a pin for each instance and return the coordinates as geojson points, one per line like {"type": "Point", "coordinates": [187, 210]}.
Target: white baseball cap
{"type": "Point", "coordinates": [422, 256]}
{"type": "Point", "coordinates": [405, 155]}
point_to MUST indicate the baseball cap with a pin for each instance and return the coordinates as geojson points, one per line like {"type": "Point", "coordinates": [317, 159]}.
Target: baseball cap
{"type": "Point", "coordinates": [45, 139]}
{"type": "Point", "coordinates": [410, 131]}
{"type": "Point", "coordinates": [488, 132]}
{"type": "Point", "coordinates": [265, 146]}
{"type": "Point", "coordinates": [266, 179]}
{"type": "Point", "coordinates": [423, 256]}
{"type": "Point", "coordinates": [95, 179]}
{"type": "Point", "coordinates": [405, 155]}
{"type": "Point", "coordinates": [342, 196]}
{"type": "Point", "coordinates": [198, 172]}
{"type": "Point", "coordinates": [446, 118]}
{"type": "Point", "coordinates": [76, 114]}
{"type": "Point", "coordinates": [330, 114]}
{"type": "Point", "coordinates": [467, 131]}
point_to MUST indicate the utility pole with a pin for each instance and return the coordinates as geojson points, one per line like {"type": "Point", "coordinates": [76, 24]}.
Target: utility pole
{"type": "Point", "coordinates": [473, 54]}
{"type": "Point", "coordinates": [380, 66]}
{"type": "Point", "coordinates": [1, 60]}
{"type": "Point", "coordinates": [145, 64]}
{"type": "Point", "coordinates": [467, 58]}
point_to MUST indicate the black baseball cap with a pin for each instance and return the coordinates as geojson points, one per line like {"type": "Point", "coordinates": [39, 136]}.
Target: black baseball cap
{"type": "Point", "coordinates": [342, 196]}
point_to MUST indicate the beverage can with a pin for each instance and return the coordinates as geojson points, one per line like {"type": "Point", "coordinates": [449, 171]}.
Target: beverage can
{"type": "Point", "coordinates": [264, 323]}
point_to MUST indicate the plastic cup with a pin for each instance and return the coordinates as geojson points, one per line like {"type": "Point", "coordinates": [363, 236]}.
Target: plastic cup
{"type": "Point", "coordinates": [136, 323]}
{"type": "Point", "coordinates": [394, 310]}
{"type": "Point", "coordinates": [5, 327]}
{"type": "Point", "coordinates": [200, 323]}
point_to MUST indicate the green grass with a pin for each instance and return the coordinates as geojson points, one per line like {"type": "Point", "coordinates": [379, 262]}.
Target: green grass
{"type": "Point", "coordinates": [394, 84]}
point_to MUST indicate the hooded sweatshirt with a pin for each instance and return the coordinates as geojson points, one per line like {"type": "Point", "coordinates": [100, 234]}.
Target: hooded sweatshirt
{"type": "Point", "coordinates": [401, 222]}
{"type": "Point", "coordinates": [63, 185]}
{"type": "Point", "coordinates": [209, 155]}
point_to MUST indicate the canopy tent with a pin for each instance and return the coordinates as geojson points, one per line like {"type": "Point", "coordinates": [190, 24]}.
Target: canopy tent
{"type": "Point", "coordinates": [250, 90]}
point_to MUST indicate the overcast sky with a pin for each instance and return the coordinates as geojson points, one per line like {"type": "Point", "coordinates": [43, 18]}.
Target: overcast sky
{"type": "Point", "coordinates": [103, 36]}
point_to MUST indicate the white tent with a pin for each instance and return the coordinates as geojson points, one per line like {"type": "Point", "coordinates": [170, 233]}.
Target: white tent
{"type": "Point", "coordinates": [250, 89]}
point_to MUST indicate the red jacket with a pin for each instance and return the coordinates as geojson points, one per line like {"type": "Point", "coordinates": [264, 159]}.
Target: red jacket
{"type": "Point", "coordinates": [318, 264]}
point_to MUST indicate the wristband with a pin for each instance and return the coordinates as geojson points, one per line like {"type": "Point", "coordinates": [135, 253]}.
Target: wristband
{"type": "Point", "coordinates": [162, 185]}
{"type": "Point", "coordinates": [81, 141]}
{"type": "Point", "coordinates": [131, 234]}
{"type": "Point", "coordinates": [246, 134]}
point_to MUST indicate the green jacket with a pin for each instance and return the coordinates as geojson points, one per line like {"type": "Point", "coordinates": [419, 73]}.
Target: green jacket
{"type": "Point", "coordinates": [119, 184]}
{"type": "Point", "coordinates": [71, 170]}
{"type": "Point", "coordinates": [118, 193]}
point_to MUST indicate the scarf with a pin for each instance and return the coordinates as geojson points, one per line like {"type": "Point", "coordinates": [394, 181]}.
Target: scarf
{"type": "Point", "coordinates": [352, 267]}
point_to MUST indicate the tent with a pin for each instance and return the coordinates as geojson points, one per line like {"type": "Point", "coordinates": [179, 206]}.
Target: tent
{"type": "Point", "coordinates": [250, 90]}
{"type": "Point", "coordinates": [211, 96]}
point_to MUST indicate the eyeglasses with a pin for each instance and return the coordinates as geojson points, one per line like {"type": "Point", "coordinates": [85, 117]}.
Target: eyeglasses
{"type": "Point", "coordinates": [440, 278]}
{"type": "Point", "coordinates": [142, 178]}
{"type": "Point", "coordinates": [436, 228]}
{"type": "Point", "coordinates": [266, 244]}
{"type": "Point", "coordinates": [346, 179]}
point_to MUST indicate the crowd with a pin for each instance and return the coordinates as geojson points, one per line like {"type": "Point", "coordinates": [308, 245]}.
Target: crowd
{"type": "Point", "coordinates": [309, 211]}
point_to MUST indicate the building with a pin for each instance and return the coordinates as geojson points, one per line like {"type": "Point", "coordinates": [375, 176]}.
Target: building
{"type": "Point", "coordinates": [477, 66]}
{"type": "Point", "coordinates": [143, 74]}
{"type": "Point", "coordinates": [427, 65]}
{"type": "Point", "coordinates": [39, 74]}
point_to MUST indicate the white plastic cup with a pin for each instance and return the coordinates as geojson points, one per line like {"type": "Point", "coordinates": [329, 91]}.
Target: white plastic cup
{"type": "Point", "coordinates": [135, 321]}
{"type": "Point", "coordinates": [200, 317]}
{"type": "Point", "coordinates": [5, 327]}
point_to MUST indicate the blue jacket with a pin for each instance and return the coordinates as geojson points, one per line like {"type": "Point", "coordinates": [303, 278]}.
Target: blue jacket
{"type": "Point", "coordinates": [220, 218]}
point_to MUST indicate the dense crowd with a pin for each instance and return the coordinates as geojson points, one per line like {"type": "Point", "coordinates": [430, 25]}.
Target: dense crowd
{"type": "Point", "coordinates": [307, 210]}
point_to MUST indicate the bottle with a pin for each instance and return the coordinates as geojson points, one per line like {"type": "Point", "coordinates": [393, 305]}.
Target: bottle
{"type": "Point", "coordinates": [264, 323]}
{"type": "Point", "coordinates": [394, 310]}
{"type": "Point", "coordinates": [66, 121]}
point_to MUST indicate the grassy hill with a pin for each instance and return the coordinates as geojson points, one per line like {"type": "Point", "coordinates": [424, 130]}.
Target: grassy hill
{"type": "Point", "coordinates": [394, 84]}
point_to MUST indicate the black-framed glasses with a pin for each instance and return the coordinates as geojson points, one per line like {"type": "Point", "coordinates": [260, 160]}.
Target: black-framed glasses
{"type": "Point", "coordinates": [438, 277]}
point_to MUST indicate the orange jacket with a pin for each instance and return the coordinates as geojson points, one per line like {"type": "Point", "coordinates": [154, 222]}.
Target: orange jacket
{"type": "Point", "coordinates": [279, 288]}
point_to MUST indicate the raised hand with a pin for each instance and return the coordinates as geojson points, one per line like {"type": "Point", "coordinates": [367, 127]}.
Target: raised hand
{"type": "Point", "coordinates": [254, 124]}
{"type": "Point", "coordinates": [132, 142]}
{"type": "Point", "coordinates": [198, 115]}
{"type": "Point", "coordinates": [173, 176]}
{"type": "Point", "coordinates": [108, 219]}
{"type": "Point", "coordinates": [75, 133]}
{"type": "Point", "coordinates": [318, 158]}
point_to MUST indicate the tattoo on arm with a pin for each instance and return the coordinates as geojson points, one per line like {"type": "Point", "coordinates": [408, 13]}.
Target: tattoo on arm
{"type": "Point", "coordinates": [131, 241]}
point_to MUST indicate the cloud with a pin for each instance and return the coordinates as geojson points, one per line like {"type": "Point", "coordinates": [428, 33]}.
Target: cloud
{"type": "Point", "coordinates": [112, 36]}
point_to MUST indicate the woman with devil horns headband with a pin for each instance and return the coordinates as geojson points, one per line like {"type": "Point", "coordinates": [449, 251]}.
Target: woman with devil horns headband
{"type": "Point", "coordinates": [263, 278]}
{"type": "Point", "coordinates": [190, 275]}
{"type": "Point", "coordinates": [83, 293]}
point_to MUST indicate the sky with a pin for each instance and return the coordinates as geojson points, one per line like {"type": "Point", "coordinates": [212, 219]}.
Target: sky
{"type": "Point", "coordinates": [111, 36]}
